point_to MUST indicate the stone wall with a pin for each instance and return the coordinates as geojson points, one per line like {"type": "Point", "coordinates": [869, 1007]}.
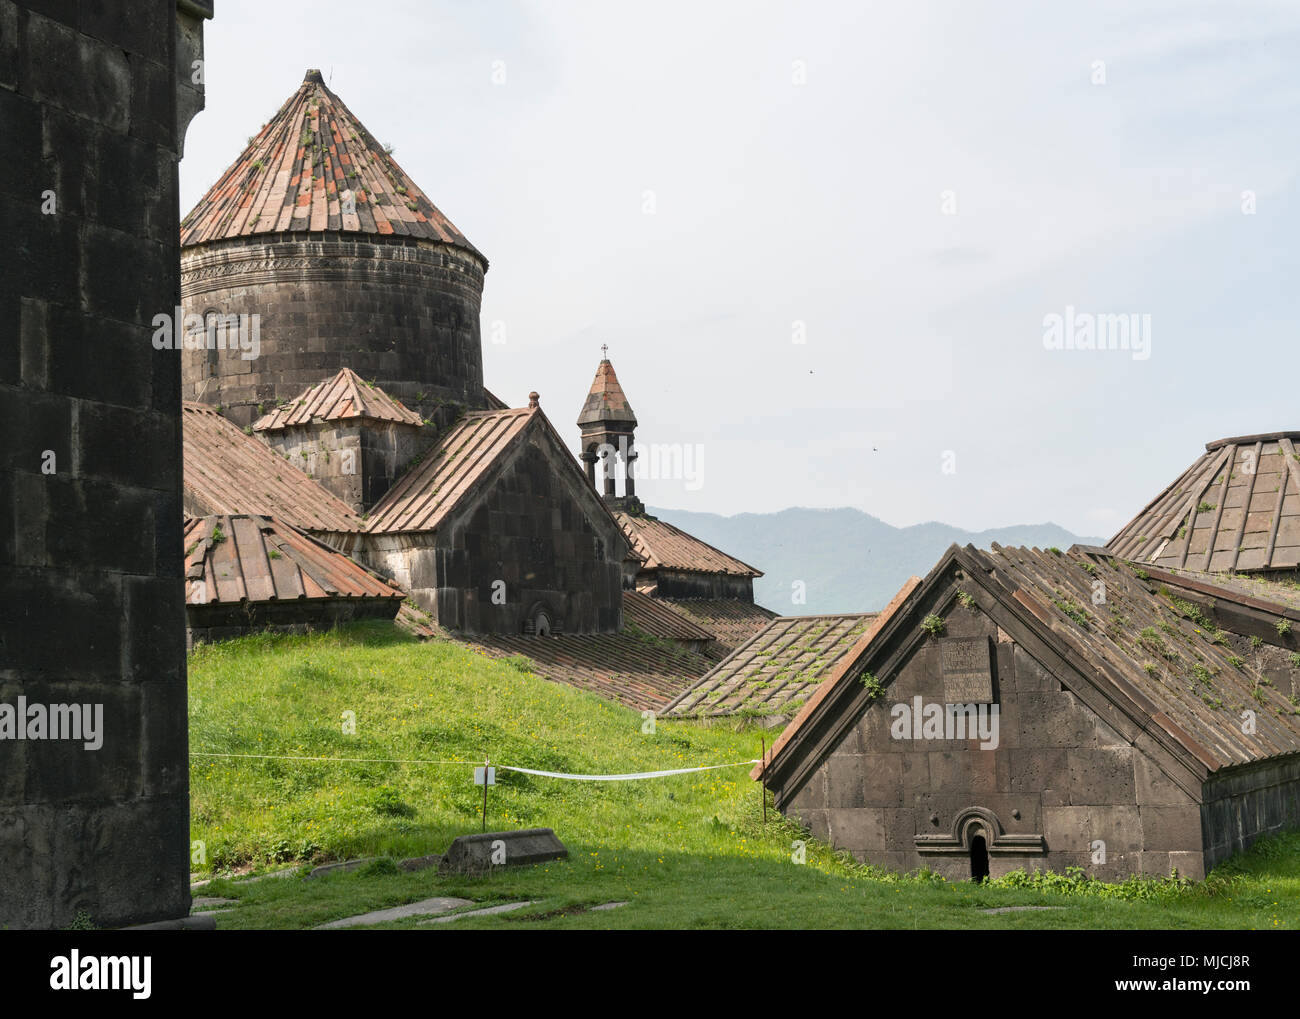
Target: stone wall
{"type": "Point", "coordinates": [401, 313]}
{"type": "Point", "coordinates": [687, 584]}
{"type": "Point", "coordinates": [91, 595]}
{"type": "Point", "coordinates": [221, 621]}
{"type": "Point", "coordinates": [1059, 781]}
{"type": "Point", "coordinates": [1245, 803]}
{"type": "Point", "coordinates": [527, 528]}
{"type": "Point", "coordinates": [356, 462]}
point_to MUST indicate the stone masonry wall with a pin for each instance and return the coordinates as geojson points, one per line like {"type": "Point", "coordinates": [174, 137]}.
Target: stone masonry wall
{"type": "Point", "coordinates": [401, 313]}
{"type": "Point", "coordinates": [1058, 771]}
{"type": "Point", "coordinates": [91, 595]}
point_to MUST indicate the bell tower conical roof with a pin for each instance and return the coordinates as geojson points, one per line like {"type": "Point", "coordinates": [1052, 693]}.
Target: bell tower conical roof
{"type": "Point", "coordinates": [606, 402]}
{"type": "Point", "coordinates": [314, 168]}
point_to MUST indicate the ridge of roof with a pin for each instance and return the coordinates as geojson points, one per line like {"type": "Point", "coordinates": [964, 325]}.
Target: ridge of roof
{"type": "Point", "coordinates": [314, 168]}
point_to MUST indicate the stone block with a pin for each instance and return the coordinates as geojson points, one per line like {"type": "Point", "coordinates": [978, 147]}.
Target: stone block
{"type": "Point", "coordinates": [473, 854]}
{"type": "Point", "coordinates": [1172, 828]}
{"type": "Point", "coordinates": [1099, 776]}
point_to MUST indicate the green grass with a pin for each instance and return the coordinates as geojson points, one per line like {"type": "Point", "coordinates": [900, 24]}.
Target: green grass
{"type": "Point", "coordinates": [686, 852]}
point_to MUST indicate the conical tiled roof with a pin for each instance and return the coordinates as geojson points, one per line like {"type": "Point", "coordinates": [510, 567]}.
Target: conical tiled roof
{"type": "Point", "coordinates": [605, 400]}
{"type": "Point", "coordinates": [1235, 508]}
{"type": "Point", "coordinates": [345, 395]}
{"type": "Point", "coordinates": [305, 170]}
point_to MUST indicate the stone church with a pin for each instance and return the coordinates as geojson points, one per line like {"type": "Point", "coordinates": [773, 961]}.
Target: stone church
{"type": "Point", "coordinates": [333, 368]}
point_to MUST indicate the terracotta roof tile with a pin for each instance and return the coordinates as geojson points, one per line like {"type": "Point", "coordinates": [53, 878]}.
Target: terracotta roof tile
{"type": "Point", "coordinates": [344, 396]}
{"type": "Point", "coordinates": [426, 493]}
{"type": "Point", "coordinates": [301, 169]}
{"type": "Point", "coordinates": [606, 400]}
{"type": "Point", "coordinates": [731, 621]}
{"type": "Point", "coordinates": [661, 544]}
{"type": "Point", "coordinates": [227, 471]}
{"type": "Point", "coordinates": [247, 557]}
{"type": "Point", "coordinates": [1236, 508]}
{"type": "Point", "coordinates": [658, 620]}
{"type": "Point", "coordinates": [775, 670]}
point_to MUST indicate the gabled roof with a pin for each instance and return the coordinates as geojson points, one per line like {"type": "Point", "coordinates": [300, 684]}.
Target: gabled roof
{"type": "Point", "coordinates": [658, 620]}
{"type": "Point", "coordinates": [227, 471]}
{"type": "Point", "coordinates": [775, 670]}
{"type": "Point", "coordinates": [460, 461]}
{"type": "Point", "coordinates": [1236, 508]}
{"type": "Point", "coordinates": [297, 175]}
{"type": "Point", "coordinates": [346, 395]}
{"type": "Point", "coordinates": [427, 492]}
{"type": "Point", "coordinates": [232, 558]}
{"type": "Point", "coordinates": [606, 402]}
{"type": "Point", "coordinates": [1145, 661]}
{"type": "Point", "coordinates": [730, 620]}
{"type": "Point", "coordinates": [664, 546]}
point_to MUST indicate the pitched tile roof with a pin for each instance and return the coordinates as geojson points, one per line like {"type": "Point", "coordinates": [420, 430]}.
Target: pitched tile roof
{"type": "Point", "coordinates": [606, 400]}
{"type": "Point", "coordinates": [730, 620]}
{"type": "Point", "coordinates": [346, 395]}
{"type": "Point", "coordinates": [227, 471]}
{"type": "Point", "coordinates": [619, 666]}
{"type": "Point", "coordinates": [248, 557]}
{"type": "Point", "coordinates": [664, 546]}
{"type": "Point", "coordinates": [775, 670]}
{"type": "Point", "coordinates": [1236, 508]}
{"type": "Point", "coordinates": [310, 164]}
{"type": "Point", "coordinates": [427, 492]}
{"type": "Point", "coordinates": [652, 616]}
{"type": "Point", "coordinates": [1146, 653]}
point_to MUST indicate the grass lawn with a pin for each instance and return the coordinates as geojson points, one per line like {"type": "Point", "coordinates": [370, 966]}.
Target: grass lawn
{"type": "Point", "coordinates": [689, 851]}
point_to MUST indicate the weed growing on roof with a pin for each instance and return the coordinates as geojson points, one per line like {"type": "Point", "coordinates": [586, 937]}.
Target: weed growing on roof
{"type": "Point", "coordinates": [1204, 507]}
{"type": "Point", "coordinates": [1255, 641]}
{"type": "Point", "coordinates": [1283, 626]}
{"type": "Point", "coordinates": [933, 625]}
{"type": "Point", "coordinates": [875, 689]}
{"type": "Point", "coordinates": [1079, 615]}
{"type": "Point", "coordinates": [966, 600]}
{"type": "Point", "coordinates": [1294, 658]}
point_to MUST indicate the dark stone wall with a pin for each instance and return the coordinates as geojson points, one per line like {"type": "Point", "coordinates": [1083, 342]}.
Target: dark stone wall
{"type": "Point", "coordinates": [213, 622]}
{"type": "Point", "coordinates": [684, 584]}
{"type": "Point", "coordinates": [402, 313]}
{"type": "Point", "coordinates": [91, 595]}
{"type": "Point", "coordinates": [1245, 803]}
{"type": "Point", "coordinates": [535, 525]}
{"type": "Point", "coordinates": [1063, 770]}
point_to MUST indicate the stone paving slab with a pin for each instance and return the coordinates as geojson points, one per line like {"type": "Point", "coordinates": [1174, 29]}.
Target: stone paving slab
{"type": "Point", "coordinates": [608, 905]}
{"type": "Point", "coordinates": [1019, 909]}
{"type": "Point", "coordinates": [509, 907]}
{"type": "Point", "coordinates": [422, 908]}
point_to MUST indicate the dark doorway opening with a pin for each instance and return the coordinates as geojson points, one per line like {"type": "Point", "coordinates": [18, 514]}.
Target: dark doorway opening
{"type": "Point", "coordinates": [979, 859]}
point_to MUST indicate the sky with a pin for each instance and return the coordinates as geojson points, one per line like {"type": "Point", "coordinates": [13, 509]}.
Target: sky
{"type": "Point", "coordinates": [835, 249]}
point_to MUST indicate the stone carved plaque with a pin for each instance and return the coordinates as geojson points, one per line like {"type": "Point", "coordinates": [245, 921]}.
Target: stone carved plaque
{"type": "Point", "coordinates": [967, 668]}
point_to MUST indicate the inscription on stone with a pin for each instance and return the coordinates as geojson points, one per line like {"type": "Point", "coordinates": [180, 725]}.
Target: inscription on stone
{"type": "Point", "coordinates": [967, 670]}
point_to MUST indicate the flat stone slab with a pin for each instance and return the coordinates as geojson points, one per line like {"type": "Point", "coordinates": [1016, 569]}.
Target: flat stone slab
{"type": "Point", "coordinates": [508, 907]}
{"type": "Point", "coordinates": [608, 905]}
{"type": "Point", "coordinates": [343, 867]}
{"type": "Point", "coordinates": [476, 854]}
{"type": "Point", "coordinates": [1019, 909]}
{"type": "Point", "coordinates": [209, 902]}
{"type": "Point", "coordinates": [424, 907]}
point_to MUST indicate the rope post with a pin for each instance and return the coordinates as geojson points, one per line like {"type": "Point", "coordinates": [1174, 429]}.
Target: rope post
{"type": "Point", "coordinates": [486, 762]}
{"type": "Point", "coordinates": [762, 776]}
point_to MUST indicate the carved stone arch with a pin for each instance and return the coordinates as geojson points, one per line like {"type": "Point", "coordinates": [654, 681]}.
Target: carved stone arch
{"type": "Point", "coordinates": [976, 821]}
{"type": "Point", "coordinates": [540, 620]}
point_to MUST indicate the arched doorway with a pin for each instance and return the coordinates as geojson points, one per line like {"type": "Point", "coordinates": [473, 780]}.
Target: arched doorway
{"type": "Point", "coordinates": [979, 858]}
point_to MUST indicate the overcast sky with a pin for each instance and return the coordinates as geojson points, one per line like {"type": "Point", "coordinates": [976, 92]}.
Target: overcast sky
{"type": "Point", "coordinates": [920, 185]}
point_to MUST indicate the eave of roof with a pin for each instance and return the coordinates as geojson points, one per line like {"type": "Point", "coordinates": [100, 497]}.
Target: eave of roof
{"type": "Point", "coordinates": [664, 546]}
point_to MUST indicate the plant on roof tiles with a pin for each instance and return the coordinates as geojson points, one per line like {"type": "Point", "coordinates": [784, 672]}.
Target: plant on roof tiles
{"type": "Point", "coordinates": [274, 554]}
{"type": "Point", "coordinates": [1283, 626]}
{"type": "Point", "coordinates": [875, 689]}
{"type": "Point", "coordinates": [1072, 610]}
{"type": "Point", "coordinates": [217, 536]}
{"type": "Point", "coordinates": [966, 600]}
{"type": "Point", "coordinates": [1204, 507]}
{"type": "Point", "coordinates": [933, 625]}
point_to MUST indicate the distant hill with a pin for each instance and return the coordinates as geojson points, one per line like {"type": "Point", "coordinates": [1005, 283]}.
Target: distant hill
{"type": "Point", "coordinates": [849, 560]}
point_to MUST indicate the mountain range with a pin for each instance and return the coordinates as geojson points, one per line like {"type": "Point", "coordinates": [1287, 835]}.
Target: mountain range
{"type": "Point", "coordinates": [846, 560]}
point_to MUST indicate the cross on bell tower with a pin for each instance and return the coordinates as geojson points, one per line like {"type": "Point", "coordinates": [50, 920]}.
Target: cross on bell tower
{"type": "Point", "coordinates": [608, 425]}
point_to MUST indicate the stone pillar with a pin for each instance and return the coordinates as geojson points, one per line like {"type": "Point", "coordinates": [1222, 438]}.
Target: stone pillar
{"type": "Point", "coordinates": [94, 100]}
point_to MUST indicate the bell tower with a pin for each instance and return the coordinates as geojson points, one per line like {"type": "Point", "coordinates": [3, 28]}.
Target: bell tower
{"type": "Point", "coordinates": [608, 425]}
